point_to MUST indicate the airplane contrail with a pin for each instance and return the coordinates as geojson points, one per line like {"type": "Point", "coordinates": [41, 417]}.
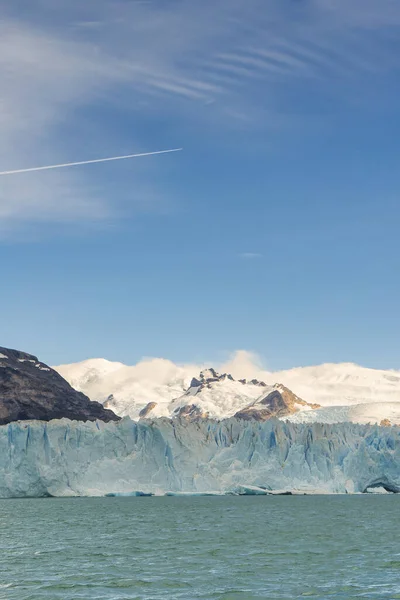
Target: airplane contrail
{"type": "Point", "coordinates": [87, 162]}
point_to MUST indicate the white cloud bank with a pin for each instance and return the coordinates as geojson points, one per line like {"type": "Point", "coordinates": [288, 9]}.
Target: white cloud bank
{"type": "Point", "coordinates": [161, 381]}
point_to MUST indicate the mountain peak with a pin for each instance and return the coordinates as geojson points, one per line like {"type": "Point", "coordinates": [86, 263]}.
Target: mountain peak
{"type": "Point", "coordinates": [209, 376]}
{"type": "Point", "coordinates": [30, 389]}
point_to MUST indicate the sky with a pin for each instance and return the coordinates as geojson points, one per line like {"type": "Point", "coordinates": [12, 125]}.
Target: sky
{"type": "Point", "coordinates": [275, 230]}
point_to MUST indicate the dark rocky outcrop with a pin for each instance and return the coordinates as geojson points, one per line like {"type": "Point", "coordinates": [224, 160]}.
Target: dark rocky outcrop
{"type": "Point", "coordinates": [210, 376]}
{"type": "Point", "coordinates": [253, 382]}
{"type": "Point", "coordinates": [29, 389]}
{"type": "Point", "coordinates": [191, 412]}
{"type": "Point", "coordinates": [279, 403]}
{"type": "Point", "coordinates": [109, 402]}
{"type": "Point", "coordinates": [292, 399]}
{"type": "Point", "coordinates": [273, 405]}
{"type": "Point", "coordinates": [147, 410]}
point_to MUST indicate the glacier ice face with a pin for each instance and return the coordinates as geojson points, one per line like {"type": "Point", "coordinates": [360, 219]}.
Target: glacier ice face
{"type": "Point", "coordinates": [373, 412]}
{"type": "Point", "coordinates": [63, 458]}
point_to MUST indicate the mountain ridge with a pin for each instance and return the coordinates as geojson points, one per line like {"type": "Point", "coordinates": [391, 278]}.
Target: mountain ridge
{"type": "Point", "coordinates": [30, 389]}
{"type": "Point", "coordinates": [161, 381]}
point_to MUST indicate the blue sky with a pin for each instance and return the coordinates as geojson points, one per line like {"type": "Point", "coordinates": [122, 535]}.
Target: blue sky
{"type": "Point", "coordinates": [276, 228]}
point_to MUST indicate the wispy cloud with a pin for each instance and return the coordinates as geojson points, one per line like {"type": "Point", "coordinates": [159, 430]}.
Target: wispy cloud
{"type": "Point", "coordinates": [207, 60]}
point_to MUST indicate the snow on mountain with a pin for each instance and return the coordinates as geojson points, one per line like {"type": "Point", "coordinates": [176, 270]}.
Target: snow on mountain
{"type": "Point", "coordinates": [342, 384]}
{"type": "Point", "coordinates": [89, 373]}
{"type": "Point", "coordinates": [160, 388]}
{"type": "Point", "coordinates": [218, 396]}
{"type": "Point", "coordinates": [68, 458]}
{"type": "Point", "coordinates": [129, 389]}
{"type": "Point", "coordinates": [374, 394]}
{"type": "Point", "coordinates": [347, 392]}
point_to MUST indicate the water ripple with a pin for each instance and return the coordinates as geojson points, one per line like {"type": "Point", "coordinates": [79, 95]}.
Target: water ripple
{"type": "Point", "coordinates": [225, 548]}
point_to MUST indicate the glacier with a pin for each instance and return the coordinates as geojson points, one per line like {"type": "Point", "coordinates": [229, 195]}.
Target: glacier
{"type": "Point", "coordinates": [70, 458]}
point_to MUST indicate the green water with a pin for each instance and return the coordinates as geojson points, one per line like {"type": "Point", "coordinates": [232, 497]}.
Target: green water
{"type": "Point", "coordinates": [209, 548]}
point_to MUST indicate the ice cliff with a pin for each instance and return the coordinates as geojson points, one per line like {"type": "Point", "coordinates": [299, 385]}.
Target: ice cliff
{"type": "Point", "coordinates": [62, 458]}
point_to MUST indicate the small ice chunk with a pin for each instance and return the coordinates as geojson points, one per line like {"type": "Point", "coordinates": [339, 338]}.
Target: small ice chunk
{"type": "Point", "coordinates": [250, 490]}
{"type": "Point", "coordinates": [377, 490]}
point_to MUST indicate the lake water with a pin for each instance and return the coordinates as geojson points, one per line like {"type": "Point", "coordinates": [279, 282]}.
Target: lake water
{"type": "Point", "coordinates": [227, 548]}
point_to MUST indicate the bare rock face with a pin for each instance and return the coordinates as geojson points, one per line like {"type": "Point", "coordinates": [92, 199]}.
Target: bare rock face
{"type": "Point", "coordinates": [206, 379]}
{"type": "Point", "coordinates": [272, 405]}
{"type": "Point", "coordinates": [110, 401]}
{"type": "Point", "coordinates": [190, 412]}
{"type": "Point", "coordinates": [147, 410]}
{"type": "Point", "coordinates": [29, 389]}
{"type": "Point", "coordinates": [291, 399]}
{"type": "Point", "coordinates": [385, 423]}
{"type": "Point", "coordinates": [279, 403]}
{"type": "Point", "coordinates": [209, 377]}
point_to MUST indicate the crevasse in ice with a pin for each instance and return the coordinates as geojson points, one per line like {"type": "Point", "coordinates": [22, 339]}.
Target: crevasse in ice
{"type": "Point", "coordinates": [63, 458]}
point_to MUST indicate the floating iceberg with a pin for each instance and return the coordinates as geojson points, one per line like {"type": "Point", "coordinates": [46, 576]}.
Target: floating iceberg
{"type": "Point", "coordinates": [128, 494]}
{"type": "Point", "coordinates": [68, 458]}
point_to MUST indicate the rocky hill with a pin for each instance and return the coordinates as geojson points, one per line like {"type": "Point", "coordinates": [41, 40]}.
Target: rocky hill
{"type": "Point", "coordinates": [29, 389]}
{"type": "Point", "coordinates": [280, 402]}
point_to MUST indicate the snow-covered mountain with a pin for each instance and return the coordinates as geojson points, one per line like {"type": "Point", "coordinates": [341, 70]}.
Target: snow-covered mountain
{"type": "Point", "coordinates": [158, 387]}
{"type": "Point", "coordinates": [209, 395]}
{"type": "Point", "coordinates": [129, 389]}
{"type": "Point", "coordinates": [346, 392]}
{"type": "Point", "coordinates": [343, 384]}
{"type": "Point", "coordinates": [221, 396]}
{"type": "Point", "coordinates": [29, 389]}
